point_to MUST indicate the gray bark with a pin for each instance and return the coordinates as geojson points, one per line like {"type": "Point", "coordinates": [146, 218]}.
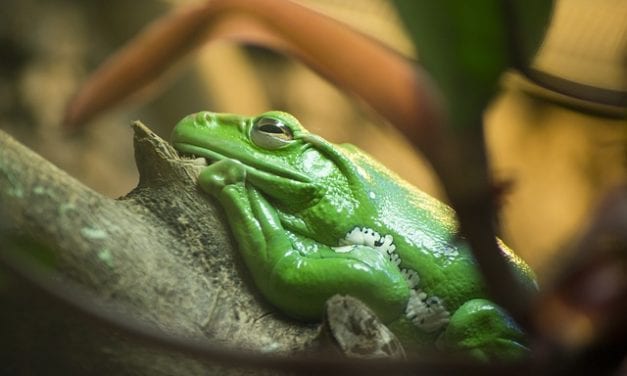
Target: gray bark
{"type": "Point", "coordinates": [163, 252]}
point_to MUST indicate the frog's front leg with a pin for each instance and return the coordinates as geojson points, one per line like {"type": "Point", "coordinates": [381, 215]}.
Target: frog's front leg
{"type": "Point", "coordinates": [482, 330]}
{"type": "Point", "coordinates": [294, 273]}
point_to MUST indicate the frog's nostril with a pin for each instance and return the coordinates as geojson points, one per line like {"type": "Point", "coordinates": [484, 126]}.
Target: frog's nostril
{"type": "Point", "coordinates": [204, 119]}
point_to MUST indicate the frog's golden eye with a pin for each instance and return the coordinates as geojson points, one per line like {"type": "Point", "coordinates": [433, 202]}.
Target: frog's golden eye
{"type": "Point", "coordinates": [270, 133]}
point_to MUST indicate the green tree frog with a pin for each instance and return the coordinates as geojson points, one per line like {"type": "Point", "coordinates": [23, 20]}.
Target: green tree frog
{"type": "Point", "coordinates": [313, 219]}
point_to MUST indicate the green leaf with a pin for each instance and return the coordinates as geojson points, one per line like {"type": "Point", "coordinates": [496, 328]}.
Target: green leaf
{"type": "Point", "coordinates": [466, 46]}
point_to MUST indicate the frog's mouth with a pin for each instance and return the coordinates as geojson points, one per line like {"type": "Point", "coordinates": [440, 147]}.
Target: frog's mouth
{"type": "Point", "coordinates": [255, 168]}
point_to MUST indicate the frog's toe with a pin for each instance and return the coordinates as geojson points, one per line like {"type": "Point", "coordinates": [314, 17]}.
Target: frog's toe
{"type": "Point", "coordinates": [225, 172]}
{"type": "Point", "coordinates": [483, 331]}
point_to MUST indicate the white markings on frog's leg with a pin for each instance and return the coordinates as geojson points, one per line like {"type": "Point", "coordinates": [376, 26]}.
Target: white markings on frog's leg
{"type": "Point", "coordinates": [426, 312]}
{"type": "Point", "coordinates": [395, 259]}
{"type": "Point", "coordinates": [370, 238]}
{"type": "Point", "coordinates": [384, 244]}
{"type": "Point", "coordinates": [344, 249]}
{"type": "Point", "coordinates": [367, 237]}
{"type": "Point", "coordinates": [412, 278]}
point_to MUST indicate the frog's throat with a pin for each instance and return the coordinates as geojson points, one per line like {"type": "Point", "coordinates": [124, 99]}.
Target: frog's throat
{"type": "Point", "coordinates": [254, 167]}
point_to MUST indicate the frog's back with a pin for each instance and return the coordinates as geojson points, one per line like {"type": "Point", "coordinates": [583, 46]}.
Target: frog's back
{"type": "Point", "coordinates": [401, 206]}
{"type": "Point", "coordinates": [425, 232]}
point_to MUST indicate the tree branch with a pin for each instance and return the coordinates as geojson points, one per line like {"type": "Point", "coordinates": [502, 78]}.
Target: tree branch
{"type": "Point", "coordinates": [162, 250]}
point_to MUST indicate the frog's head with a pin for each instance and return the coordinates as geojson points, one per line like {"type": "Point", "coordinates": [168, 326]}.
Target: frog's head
{"type": "Point", "coordinates": [280, 156]}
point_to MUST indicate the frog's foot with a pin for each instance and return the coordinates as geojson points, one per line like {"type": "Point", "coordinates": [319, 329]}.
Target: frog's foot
{"type": "Point", "coordinates": [484, 331]}
{"type": "Point", "coordinates": [216, 176]}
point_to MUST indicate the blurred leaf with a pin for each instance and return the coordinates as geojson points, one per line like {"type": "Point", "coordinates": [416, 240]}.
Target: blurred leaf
{"type": "Point", "coordinates": [580, 317]}
{"type": "Point", "coordinates": [586, 303]}
{"type": "Point", "coordinates": [466, 46]}
{"type": "Point", "coordinates": [529, 20]}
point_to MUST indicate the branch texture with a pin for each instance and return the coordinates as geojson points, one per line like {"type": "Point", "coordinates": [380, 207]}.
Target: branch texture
{"type": "Point", "coordinates": [162, 251]}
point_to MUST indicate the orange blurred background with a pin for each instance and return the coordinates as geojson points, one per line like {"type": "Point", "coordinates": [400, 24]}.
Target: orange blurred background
{"type": "Point", "coordinates": [561, 160]}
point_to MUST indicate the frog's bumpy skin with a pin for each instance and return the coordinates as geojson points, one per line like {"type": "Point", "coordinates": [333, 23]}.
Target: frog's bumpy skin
{"type": "Point", "coordinates": [426, 312]}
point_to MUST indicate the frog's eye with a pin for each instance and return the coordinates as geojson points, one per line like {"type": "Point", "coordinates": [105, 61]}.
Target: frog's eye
{"type": "Point", "coordinates": [270, 133]}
